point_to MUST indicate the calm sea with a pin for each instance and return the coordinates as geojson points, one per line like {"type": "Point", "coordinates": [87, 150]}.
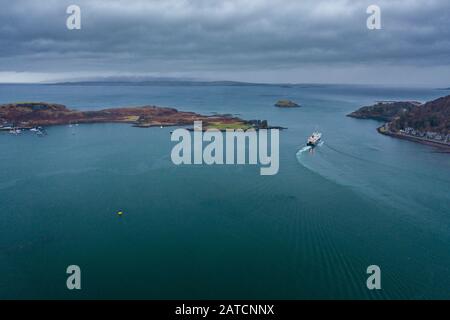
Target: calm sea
{"type": "Point", "coordinates": [222, 231]}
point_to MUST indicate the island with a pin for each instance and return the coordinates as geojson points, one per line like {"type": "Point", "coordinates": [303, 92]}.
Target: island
{"type": "Point", "coordinates": [29, 115]}
{"type": "Point", "coordinates": [427, 123]}
{"type": "Point", "coordinates": [286, 104]}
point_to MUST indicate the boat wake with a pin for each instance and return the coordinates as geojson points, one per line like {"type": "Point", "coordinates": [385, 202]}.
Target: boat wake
{"type": "Point", "coordinates": [308, 148]}
{"type": "Point", "coordinates": [367, 172]}
{"type": "Point", "coordinates": [304, 149]}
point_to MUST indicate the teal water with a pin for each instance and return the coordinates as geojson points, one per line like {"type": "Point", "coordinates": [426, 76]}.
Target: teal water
{"type": "Point", "coordinates": [192, 232]}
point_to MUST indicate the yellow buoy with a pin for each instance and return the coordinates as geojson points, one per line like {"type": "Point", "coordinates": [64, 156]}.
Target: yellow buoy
{"type": "Point", "coordinates": [120, 213]}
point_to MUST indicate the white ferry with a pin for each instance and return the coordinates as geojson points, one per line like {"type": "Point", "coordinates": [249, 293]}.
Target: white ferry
{"type": "Point", "coordinates": [314, 139]}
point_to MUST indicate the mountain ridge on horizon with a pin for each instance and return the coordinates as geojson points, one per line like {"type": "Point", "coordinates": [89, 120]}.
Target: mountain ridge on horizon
{"type": "Point", "coordinates": [186, 81]}
{"type": "Point", "coordinates": [143, 81]}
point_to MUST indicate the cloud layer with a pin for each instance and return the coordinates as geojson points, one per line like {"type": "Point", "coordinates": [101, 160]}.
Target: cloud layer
{"type": "Point", "coordinates": [226, 38]}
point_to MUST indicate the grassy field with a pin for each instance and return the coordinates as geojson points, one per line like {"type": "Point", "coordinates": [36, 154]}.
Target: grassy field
{"type": "Point", "coordinates": [228, 125]}
{"type": "Point", "coordinates": [131, 118]}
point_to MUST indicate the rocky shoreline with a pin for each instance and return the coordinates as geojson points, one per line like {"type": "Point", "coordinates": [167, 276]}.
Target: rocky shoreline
{"type": "Point", "coordinates": [444, 147]}
{"type": "Point", "coordinates": [39, 114]}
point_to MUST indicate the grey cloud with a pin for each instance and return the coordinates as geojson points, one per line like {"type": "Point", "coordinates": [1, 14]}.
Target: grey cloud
{"type": "Point", "coordinates": [226, 35]}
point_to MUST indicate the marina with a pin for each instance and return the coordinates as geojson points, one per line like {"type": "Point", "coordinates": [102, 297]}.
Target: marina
{"type": "Point", "coordinates": [39, 131]}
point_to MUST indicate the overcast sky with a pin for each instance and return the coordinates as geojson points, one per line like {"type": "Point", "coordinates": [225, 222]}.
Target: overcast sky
{"type": "Point", "coordinates": [304, 41]}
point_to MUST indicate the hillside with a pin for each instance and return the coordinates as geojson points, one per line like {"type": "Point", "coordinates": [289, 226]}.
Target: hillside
{"type": "Point", "coordinates": [427, 123]}
{"type": "Point", "coordinates": [433, 116]}
{"type": "Point", "coordinates": [384, 111]}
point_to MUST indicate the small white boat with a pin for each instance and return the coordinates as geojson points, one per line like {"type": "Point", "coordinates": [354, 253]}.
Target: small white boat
{"type": "Point", "coordinates": [15, 131]}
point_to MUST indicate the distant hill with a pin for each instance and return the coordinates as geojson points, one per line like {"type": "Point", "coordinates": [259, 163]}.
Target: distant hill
{"type": "Point", "coordinates": [167, 81]}
{"type": "Point", "coordinates": [159, 83]}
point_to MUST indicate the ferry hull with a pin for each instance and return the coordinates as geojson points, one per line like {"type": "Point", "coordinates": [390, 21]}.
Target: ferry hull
{"type": "Point", "coordinates": [313, 144]}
